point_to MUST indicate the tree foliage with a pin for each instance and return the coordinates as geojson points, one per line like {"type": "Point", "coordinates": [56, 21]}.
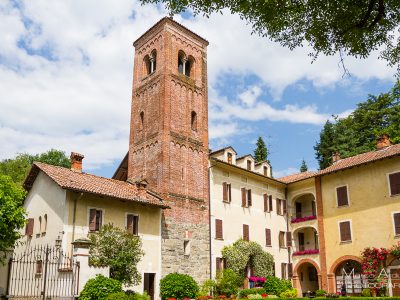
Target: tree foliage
{"type": "Point", "coordinates": [357, 133]}
{"type": "Point", "coordinates": [353, 27]}
{"type": "Point", "coordinates": [118, 249]}
{"type": "Point", "coordinates": [242, 254]}
{"type": "Point", "coordinates": [261, 152]}
{"type": "Point", "coordinates": [303, 167]}
{"type": "Point", "coordinates": [12, 214]}
{"type": "Point", "coordinates": [17, 168]}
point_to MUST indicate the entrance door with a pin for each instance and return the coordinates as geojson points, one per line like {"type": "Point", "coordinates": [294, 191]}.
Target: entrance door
{"type": "Point", "coordinates": [298, 210]}
{"type": "Point", "coordinates": [301, 241]}
{"type": "Point", "coordinates": [148, 284]}
{"type": "Point", "coordinates": [395, 277]}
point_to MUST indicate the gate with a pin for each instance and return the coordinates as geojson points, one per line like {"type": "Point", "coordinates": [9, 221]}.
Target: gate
{"type": "Point", "coordinates": [42, 272]}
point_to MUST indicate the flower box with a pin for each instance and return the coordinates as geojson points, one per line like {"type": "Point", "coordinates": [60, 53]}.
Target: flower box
{"type": "Point", "coordinates": [306, 252]}
{"type": "Point", "coordinates": [303, 219]}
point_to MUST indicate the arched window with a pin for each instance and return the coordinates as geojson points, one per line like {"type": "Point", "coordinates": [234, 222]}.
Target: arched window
{"type": "Point", "coordinates": [153, 61]}
{"type": "Point", "coordinates": [194, 121]}
{"type": "Point", "coordinates": [181, 62]}
{"type": "Point", "coordinates": [44, 224]}
{"type": "Point", "coordinates": [147, 65]}
{"type": "Point", "coordinates": [40, 226]}
{"type": "Point", "coordinates": [189, 66]}
{"type": "Point", "coordinates": [141, 125]}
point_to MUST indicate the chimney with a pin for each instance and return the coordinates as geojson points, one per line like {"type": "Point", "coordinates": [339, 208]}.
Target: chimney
{"type": "Point", "coordinates": [383, 141]}
{"type": "Point", "coordinates": [335, 157]}
{"type": "Point", "coordinates": [76, 162]}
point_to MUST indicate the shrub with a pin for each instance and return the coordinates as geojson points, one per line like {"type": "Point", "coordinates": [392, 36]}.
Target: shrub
{"type": "Point", "coordinates": [254, 296]}
{"type": "Point", "coordinates": [227, 283]}
{"type": "Point", "coordinates": [99, 288]}
{"type": "Point", "coordinates": [178, 286]}
{"type": "Point", "coordinates": [332, 295]}
{"type": "Point", "coordinates": [366, 293]}
{"type": "Point", "coordinates": [119, 296]}
{"type": "Point", "coordinates": [273, 296]}
{"type": "Point", "coordinates": [320, 293]}
{"type": "Point", "coordinates": [276, 286]}
{"type": "Point", "coordinates": [207, 288]}
{"type": "Point", "coordinates": [247, 292]}
{"type": "Point", "coordinates": [139, 296]}
{"type": "Point", "coordinates": [290, 293]}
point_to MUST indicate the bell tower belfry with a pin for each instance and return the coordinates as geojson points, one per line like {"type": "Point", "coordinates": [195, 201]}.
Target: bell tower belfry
{"type": "Point", "coordinates": [169, 140]}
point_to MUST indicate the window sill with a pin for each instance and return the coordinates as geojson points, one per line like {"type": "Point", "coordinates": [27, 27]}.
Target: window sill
{"type": "Point", "coordinates": [395, 196]}
{"type": "Point", "coordinates": [345, 242]}
{"type": "Point", "coordinates": [226, 202]}
{"type": "Point", "coordinates": [343, 206]}
{"type": "Point", "coordinates": [219, 239]}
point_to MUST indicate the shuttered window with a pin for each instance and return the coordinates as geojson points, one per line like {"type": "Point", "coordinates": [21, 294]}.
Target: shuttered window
{"type": "Point", "coordinates": [29, 227]}
{"type": "Point", "coordinates": [218, 263]}
{"type": "Point", "coordinates": [95, 219]}
{"type": "Point", "coordinates": [281, 239]}
{"type": "Point", "coordinates": [132, 224]}
{"type": "Point", "coordinates": [218, 229]}
{"type": "Point", "coordinates": [225, 192]}
{"type": "Point", "coordinates": [246, 236]}
{"type": "Point", "coordinates": [396, 219]}
{"type": "Point", "coordinates": [268, 240]}
{"type": "Point", "coordinates": [249, 200]}
{"type": "Point", "coordinates": [265, 196]}
{"type": "Point", "coordinates": [283, 270]}
{"type": "Point", "coordinates": [394, 182]}
{"type": "Point", "coordinates": [341, 194]}
{"type": "Point", "coordinates": [345, 231]}
{"type": "Point", "coordinates": [290, 270]}
{"type": "Point", "coordinates": [279, 206]}
{"type": "Point", "coordinates": [244, 200]}
{"type": "Point", "coordinates": [246, 197]}
{"type": "Point", "coordinates": [288, 239]}
{"type": "Point", "coordinates": [270, 208]}
{"type": "Point", "coordinates": [284, 206]}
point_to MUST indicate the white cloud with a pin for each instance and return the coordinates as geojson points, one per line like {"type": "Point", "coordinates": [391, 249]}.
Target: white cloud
{"type": "Point", "coordinates": [79, 100]}
{"type": "Point", "coordinates": [285, 172]}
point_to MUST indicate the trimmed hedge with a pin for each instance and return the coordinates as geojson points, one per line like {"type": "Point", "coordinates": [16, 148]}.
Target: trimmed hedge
{"type": "Point", "coordinates": [246, 292]}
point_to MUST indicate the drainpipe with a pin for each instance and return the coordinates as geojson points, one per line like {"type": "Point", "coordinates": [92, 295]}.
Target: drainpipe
{"type": "Point", "coordinates": [74, 219]}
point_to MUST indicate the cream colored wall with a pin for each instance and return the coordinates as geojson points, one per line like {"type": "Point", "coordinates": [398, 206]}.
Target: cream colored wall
{"type": "Point", "coordinates": [114, 211]}
{"type": "Point", "coordinates": [234, 215]}
{"type": "Point", "coordinates": [370, 209]}
{"type": "Point", "coordinates": [45, 197]}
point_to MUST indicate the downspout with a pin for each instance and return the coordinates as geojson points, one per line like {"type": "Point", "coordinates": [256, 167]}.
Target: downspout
{"type": "Point", "coordinates": [74, 219]}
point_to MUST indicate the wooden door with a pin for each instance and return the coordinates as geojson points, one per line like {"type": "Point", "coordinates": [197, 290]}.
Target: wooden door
{"type": "Point", "coordinates": [148, 284]}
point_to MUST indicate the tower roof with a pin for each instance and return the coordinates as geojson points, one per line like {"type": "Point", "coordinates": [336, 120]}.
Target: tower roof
{"type": "Point", "coordinates": [170, 20]}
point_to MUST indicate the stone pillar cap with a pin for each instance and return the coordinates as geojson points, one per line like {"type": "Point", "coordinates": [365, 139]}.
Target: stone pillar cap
{"type": "Point", "coordinates": [82, 243]}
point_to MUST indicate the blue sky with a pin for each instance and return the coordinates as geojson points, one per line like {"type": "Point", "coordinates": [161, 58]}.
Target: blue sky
{"type": "Point", "coordinates": [66, 75]}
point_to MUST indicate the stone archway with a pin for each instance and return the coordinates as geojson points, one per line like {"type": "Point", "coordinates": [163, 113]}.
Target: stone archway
{"type": "Point", "coordinates": [306, 276]}
{"type": "Point", "coordinates": [345, 273]}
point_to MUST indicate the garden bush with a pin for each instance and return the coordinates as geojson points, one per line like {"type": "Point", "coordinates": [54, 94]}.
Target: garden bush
{"type": "Point", "coordinates": [178, 286]}
{"type": "Point", "coordinates": [246, 292]}
{"type": "Point", "coordinates": [366, 293]}
{"type": "Point", "coordinates": [119, 296]}
{"type": "Point", "coordinates": [254, 296]}
{"type": "Point", "coordinates": [332, 295]}
{"type": "Point", "coordinates": [207, 288]}
{"type": "Point", "coordinates": [276, 286]}
{"type": "Point", "coordinates": [227, 283]}
{"type": "Point", "coordinates": [290, 293]}
{"type": "Point", "coordinates": [320, 293]}
{"type": "Point", "coordinates": [99, 288]}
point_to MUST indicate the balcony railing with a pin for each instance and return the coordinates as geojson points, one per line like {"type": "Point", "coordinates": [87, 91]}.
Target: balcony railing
{"type": "Point", "coordinates": [305, 252]}
{"type": "Point", "coordinates": [299, 219]}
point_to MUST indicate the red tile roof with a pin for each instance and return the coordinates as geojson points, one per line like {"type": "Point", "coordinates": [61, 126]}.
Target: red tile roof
{"type": "Point", "coordinates": [347, 163]}
{"type": "Point", "coordinates": [298, 176]}
{"type": "Point", "coordinates": [83, 182]}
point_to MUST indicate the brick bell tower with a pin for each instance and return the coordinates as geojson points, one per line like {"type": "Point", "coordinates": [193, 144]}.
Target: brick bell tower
{"type": "Point", "coordinates": [169, 140]}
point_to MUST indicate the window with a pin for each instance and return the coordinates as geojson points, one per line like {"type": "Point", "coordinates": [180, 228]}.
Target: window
{"type": "Point", "coordinates": [220, 263]}
{"type": "Point", "coordinates": [246, 235]}
{"type": "Point", "coordinates": [218, 229]}
{"type": "Point", "coordinates": [290, 270]}
{"type": "Point", "coordinates": [132, 224]}
{"type": "Point", "coordinates": [229, 158]}
{"type": "Point", "coordinates": [193, 121]}
{"type": "Point", "coordinates": [281, 207]}
{"type": "Point", "coordinates": [141, 125]}
{"type": "Point", "coordinates": [394, 183]}
{"type": "Point", "coordinates": [246, 197]}
{"type": "Point", "coordinates": [268, 240]}
{"type": "Point", "coordinates": [186, 247]}
{"type": "Point", "coordinates": [266, 208]}
{"type": "Point", "coordinates": [248, 164]}
{"type": "Point", "coordinates": [39, 229]}
{"type": "Point", "coordinates": [270, 208]}
{"type": "Point", "coordinates": [95, 219]}
{"type": "Point", "coordinates": [181, 62]}
{"type": "Point", "coordinates": [226, 192]}
{"type": "Point", "coordinates": [150, 63]}
{"type": "Point", "coordinates": [283, 270]}
{"type": "Point", "coordinates": [345, 231]}
{"type": "Point", "coordinates": [342, 196]}
{"type": "Point", "coordinates": [29, 227]}
{"type": "Point", "coordinates": [265, 171]}
{"type": "Point", "coordinates": [281, 239]}
{"type": "Point", "coordinates": [44, 224]}
{"type": "Point", "coordinates": [288, 239]}
{"type": "Point", "coordinates": [396, 221]}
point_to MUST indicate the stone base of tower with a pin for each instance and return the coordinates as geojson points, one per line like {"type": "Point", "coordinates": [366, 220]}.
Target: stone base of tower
{"type": "Point", "coordinates": [185, 249]}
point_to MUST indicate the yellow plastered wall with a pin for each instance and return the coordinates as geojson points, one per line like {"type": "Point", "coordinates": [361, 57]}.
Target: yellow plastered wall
{"type": "Point", "coordinates": [370, 209]}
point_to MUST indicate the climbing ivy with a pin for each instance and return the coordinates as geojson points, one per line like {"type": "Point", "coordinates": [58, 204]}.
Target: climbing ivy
{"type": "Point", "coordinates": [242, 253]}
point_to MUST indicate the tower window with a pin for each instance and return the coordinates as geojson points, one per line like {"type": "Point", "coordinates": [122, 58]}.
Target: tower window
{"type": "Point", "coordinates": [141, 120]}
{"type": "Point", "coordinates": [185, 64]}
{"type": "Point", "coordinates": [194, 121]}
{"type": "Point", "coordinates": [150, 62]}
{"type": "Point", "coordinates": [229, 158]}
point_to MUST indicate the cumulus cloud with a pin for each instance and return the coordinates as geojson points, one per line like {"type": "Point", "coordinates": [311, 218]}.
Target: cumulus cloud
{"type": "Point", "coordinates": [66, 75]}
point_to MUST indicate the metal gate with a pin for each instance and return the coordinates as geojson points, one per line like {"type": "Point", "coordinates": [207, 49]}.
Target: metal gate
{"type": "Point", "coordinates": [42, 272]}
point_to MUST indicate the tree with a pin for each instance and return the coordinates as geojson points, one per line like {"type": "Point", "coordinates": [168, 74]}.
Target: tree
{"type": "Point", "coordinates": [12, 214]}
{"type": "Point", "coordinates": [357, 133]}
{"type": "Point", "coordinates": [352, 27]}
{"type": "Point", "coordinates": [118, 249]}
{"type": "Point", "coordinates": [261, 151]}
{"type": "Point", "coordinates": [303, 167]}
{"type": "Point", "coordinates": [18, 167]}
